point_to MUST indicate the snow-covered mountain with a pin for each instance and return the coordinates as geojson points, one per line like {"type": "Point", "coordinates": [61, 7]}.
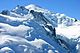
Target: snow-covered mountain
{"type": "Point", "coordinates": [32, 29]}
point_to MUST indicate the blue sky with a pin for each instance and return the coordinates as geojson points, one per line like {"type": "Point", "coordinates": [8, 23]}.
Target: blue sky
{"type": "Point", "coordinates": [68, 7]}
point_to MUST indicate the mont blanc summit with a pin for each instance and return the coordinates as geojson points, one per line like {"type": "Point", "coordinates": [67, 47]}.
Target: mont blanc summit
{"type": "Point", "coordinates": [32, 29]}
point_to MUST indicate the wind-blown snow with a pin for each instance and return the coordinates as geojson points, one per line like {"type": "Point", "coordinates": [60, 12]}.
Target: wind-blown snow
{"type": "Point", "coordinates": [19, 31]}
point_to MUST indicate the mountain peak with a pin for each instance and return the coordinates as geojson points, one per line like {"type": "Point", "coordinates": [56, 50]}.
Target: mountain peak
{"type": "Point", "coordinates": [33, 5]}
{"type": "Point", "coordinates": [36, 8]}
{"type": "Point", "coordinates": [27, 29]}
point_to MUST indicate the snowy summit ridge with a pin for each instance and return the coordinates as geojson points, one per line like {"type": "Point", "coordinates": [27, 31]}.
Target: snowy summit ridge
{"type": "Point", "coordinates": [32, 29]}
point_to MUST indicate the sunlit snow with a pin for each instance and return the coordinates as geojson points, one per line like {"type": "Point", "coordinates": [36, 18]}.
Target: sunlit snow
{"type": "Point", "coordinates": [31, 29]}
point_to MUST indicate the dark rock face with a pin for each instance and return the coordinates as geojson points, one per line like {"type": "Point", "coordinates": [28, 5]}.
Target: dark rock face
{"type": "Point", "coordinates": [5, 12]}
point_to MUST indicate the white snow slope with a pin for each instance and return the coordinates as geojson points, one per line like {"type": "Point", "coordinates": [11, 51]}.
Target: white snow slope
{"type": "Point", "coordinates": [32, 29]}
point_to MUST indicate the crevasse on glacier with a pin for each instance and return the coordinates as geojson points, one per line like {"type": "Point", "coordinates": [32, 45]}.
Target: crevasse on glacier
{"type": "Point", "coordinates": [31, 29]}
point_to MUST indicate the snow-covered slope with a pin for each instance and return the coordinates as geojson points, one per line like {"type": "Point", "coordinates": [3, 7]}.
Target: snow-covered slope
{"type": "Point", "coordinates": [32, 29]}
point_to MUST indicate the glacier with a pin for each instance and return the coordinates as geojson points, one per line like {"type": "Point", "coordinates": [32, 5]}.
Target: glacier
{"type": "Point", "coordinates": [32, 29]}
